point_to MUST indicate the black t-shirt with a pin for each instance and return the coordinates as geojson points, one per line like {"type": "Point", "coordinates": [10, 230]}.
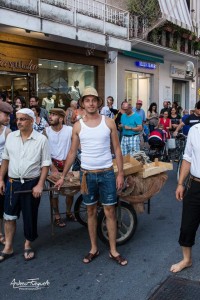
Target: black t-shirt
{"type": "Point", "coordinates": [176, 121]}
{"type": "Point", "coordinates": [192, 120]}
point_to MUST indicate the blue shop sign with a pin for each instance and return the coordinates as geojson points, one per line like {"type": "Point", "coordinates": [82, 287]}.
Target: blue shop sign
{"type": "Point", "coordinates": [146, 65]}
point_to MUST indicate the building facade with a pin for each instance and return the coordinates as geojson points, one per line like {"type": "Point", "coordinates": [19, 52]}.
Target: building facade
{"type": "Point", "coordinates": [47, 46]}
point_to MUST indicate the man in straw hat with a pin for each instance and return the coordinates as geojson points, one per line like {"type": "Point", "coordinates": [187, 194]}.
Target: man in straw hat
{"type": "Point", "coordinates": [94, 133]}
{"type": "Point", "coordinates": [26, 158]}
{"type": "Point", "coordinates": [59, 137]}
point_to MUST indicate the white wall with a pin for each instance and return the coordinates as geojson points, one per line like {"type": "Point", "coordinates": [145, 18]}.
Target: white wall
{"type": "Point", "coordinates": [165, 85]}
{"type": "Point", "coordinates": [111, 81]}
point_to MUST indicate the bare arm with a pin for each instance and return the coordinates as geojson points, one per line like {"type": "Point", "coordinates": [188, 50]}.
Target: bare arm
{"type": "Point", "coordinates": [138, 128]}
{"type": "Point", "coordinates": [117, 149]}
{"type": "Point", "coordinates": [184, 172]}
{"type": "Point", "coordinates": [71, 155]}
{"type": "Point", "coordinates": [179, 127]}
{"type": "Point", "coordinates": [4, 170]}
{"type": "Point", "coordinates": [37, 190]}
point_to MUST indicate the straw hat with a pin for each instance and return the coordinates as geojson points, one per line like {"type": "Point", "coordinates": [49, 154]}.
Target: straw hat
{"type": "Point", "coordinates": [90, 91]}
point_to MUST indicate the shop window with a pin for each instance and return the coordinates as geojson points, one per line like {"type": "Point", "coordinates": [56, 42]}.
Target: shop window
{"type": "Point", "coordinates": [64, 81]}
{"type": "Point", "coordinates": [138, 86]}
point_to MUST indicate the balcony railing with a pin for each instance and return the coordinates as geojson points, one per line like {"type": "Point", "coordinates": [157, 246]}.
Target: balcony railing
{"type": "Point", "coordinates": [48, 9]}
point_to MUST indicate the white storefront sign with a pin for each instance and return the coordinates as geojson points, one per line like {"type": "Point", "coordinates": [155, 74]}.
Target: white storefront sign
{"type": "Point", "coordinates": [177, 71]}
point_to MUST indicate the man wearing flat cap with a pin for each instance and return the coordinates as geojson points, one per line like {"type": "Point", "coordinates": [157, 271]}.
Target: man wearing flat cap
{"type": "Point", "coordinates": [94, 134]}
{"type": "Point", "coordinates": [26, 158]}
{"type": "Point", "coordinates": [5, 111]}
{"type": "Point", "coordinates": [59, 137]}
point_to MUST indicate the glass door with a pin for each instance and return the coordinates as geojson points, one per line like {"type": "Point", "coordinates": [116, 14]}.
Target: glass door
{"type": "Point", "coordinates": [23, 86]}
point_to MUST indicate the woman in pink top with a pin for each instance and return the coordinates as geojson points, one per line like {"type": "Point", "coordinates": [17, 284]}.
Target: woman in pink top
{"type": "Point", "coordinates": [166, 122]}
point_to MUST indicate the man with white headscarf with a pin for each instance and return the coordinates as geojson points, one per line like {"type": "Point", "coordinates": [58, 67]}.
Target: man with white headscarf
{"type": "Point", "coordinates": [26, 158]}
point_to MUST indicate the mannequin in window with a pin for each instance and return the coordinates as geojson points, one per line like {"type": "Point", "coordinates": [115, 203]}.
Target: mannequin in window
{"type": "Point", "coordinates": [48, 102]}
{"type": "Point", "coordinates": [74, 91]}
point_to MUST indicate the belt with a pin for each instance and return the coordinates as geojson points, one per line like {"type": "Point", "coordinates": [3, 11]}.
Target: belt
{"type": "Point", "coordinates": [130, 135]}
{"type": "Point", "coordinates": [84, 189]}
{"type": "Point", "coordinates": [22, 179]}
{"type": "Point", "coordinates": [194, 178]}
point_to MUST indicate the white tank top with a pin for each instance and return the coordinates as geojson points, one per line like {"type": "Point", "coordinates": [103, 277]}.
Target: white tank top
{"type": "Point", "coordinates": [95, 146]}
{"type": "Point", "coordinates": [2, 142]}
{"type": "Point", "coordinates": [59, 142]}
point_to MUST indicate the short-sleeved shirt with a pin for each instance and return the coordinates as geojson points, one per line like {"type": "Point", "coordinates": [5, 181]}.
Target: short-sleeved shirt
{"type": "Point", "coordinates": [176, 121]}
{"type": "Point", "coordinates": [133, 120]}
{"type": "Point", "coordinates": [192, 120]}
{"type": "Point", "coordinates": [140, 112]}
{"type": "Point", "coordinates": [26, 158]}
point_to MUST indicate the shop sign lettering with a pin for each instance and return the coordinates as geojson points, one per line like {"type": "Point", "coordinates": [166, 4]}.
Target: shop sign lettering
{"type": "Point", "coordinates": [16, 65]}
{"type": "Point", "coordinates": [146, 65]}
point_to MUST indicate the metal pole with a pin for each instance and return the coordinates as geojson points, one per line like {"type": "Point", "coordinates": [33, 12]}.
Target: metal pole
{"type": "Point", "coordinates": [197, 79]}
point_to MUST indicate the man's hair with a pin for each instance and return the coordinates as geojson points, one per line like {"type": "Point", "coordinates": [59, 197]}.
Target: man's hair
{"type": "Point", "coordinates": [110, 97]}
{"type": "Point", "coordinates": [197, 105]}
{"type": "Point", "coordinates": [37, 108]}
{"type": "Point", "coordinates": [35, 97]}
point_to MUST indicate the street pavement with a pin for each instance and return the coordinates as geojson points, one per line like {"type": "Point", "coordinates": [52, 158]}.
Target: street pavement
{"type": "Point", "coordinates": [60, 273]}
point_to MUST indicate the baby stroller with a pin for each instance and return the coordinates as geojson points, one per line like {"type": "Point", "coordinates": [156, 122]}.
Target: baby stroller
{"type": "Point", "coordinates": [157, 145]}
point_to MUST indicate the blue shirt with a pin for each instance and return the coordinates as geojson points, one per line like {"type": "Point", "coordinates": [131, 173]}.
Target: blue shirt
{"type": "Point", "coordinates": [186, 128]}
{"type": "Point", "coordinates": [140, 112]}
{"type": "Point", "coordinates": [132, 121]}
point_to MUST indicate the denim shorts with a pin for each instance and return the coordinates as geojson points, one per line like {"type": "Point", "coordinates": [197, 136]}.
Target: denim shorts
{"type": "Point", "coordinates": [101, 187]}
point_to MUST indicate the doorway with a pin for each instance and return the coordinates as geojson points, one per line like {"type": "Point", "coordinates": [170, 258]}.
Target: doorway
{"type": "Point", "coordinates": [179, 92]}
{"type": "Point", "coordinates": [17, 84]}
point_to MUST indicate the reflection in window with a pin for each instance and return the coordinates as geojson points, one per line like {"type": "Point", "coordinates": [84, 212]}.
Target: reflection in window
{"type": "Point", "coordinates": [64, 80]}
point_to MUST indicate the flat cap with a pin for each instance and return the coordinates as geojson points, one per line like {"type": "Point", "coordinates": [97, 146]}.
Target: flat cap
{"type": "Point", "coordinates": [58, 111]}
{"type": "Point", "coordinates": [5, 107]}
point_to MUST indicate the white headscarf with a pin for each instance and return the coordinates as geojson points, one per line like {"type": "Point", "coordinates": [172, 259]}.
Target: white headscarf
{"type": "Point", "coordinates": [26, 111]}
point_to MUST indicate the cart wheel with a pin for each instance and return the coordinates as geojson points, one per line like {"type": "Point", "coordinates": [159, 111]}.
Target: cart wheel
{"type": "Point", "coordinates": [80, 211]}
{"type": "Point", "coordinates": [126, 223]}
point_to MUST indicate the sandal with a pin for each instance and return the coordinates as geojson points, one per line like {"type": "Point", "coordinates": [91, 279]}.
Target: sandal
{"type": "Point", "coordinates": [59, 223]}
{"type": "Point", "coordinates": [90, 257]}
{"type": "Point", "coordinates": [71, 217]}
{"type": "Point", "coordinates": [27, 252]}
{"type": "Point", "coordinates": [5, 256]}
{"type": "Point", "coordinates": [2, 239]}
{"type": "Point", "coordinates": [119, 259]}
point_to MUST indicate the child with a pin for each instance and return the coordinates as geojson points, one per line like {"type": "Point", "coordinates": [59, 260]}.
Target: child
{"type": "Point", "coordinates": [145, 135]}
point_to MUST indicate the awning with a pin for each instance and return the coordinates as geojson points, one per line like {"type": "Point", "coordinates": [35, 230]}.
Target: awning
{"type": "Point", "coordinates": [177, 12]}
{"type": "Point", "coordinates": [145, 56]}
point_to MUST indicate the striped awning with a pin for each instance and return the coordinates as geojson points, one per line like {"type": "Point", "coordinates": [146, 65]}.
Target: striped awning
{"type": "Point", "coordinates": [177, 12]}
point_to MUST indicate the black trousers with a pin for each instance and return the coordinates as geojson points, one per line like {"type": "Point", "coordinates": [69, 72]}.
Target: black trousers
{"type": "Point", "coordinates": [2, 198]}
{"type": "Point", "coordinates": [15, 203]}
{"type": "Point", "coordinates": [190, 214]}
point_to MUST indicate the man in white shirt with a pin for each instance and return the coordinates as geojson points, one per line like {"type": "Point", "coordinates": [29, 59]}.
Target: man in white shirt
{"type": "Point", "coordinates": [190, 196]}
{"type": "Point", "coordinates": [108, 110]}
{"type": "Point", "coordinates": [26, 158]}
{"type": "Point", "coordinates": [59, 137]}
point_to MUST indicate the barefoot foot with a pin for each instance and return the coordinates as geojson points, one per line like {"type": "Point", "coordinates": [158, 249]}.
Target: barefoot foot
{"type": "Point", "coordinates": [180, 266]}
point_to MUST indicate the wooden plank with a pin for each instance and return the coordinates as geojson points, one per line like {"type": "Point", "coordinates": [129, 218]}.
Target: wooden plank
{"type": "Point", "coordinates": [155, 168]}
{"type": "Point", "coordinates": [130, 165]}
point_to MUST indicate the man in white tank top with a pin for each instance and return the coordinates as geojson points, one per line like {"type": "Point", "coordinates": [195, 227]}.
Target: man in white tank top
{"type": "Point", "coordinates": [59, 137]}
{"type": "Point", "coordinates": [5, 111]}
{"type": "Point", "coordinates": [94, 134]}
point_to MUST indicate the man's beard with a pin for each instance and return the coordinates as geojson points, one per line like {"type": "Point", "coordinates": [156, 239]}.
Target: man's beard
{"type": "Point", "coordinates": [55, 123]}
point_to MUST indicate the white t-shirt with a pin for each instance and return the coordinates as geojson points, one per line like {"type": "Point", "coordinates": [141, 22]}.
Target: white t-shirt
{"type": "Point", "coordinates": [59, 141]}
